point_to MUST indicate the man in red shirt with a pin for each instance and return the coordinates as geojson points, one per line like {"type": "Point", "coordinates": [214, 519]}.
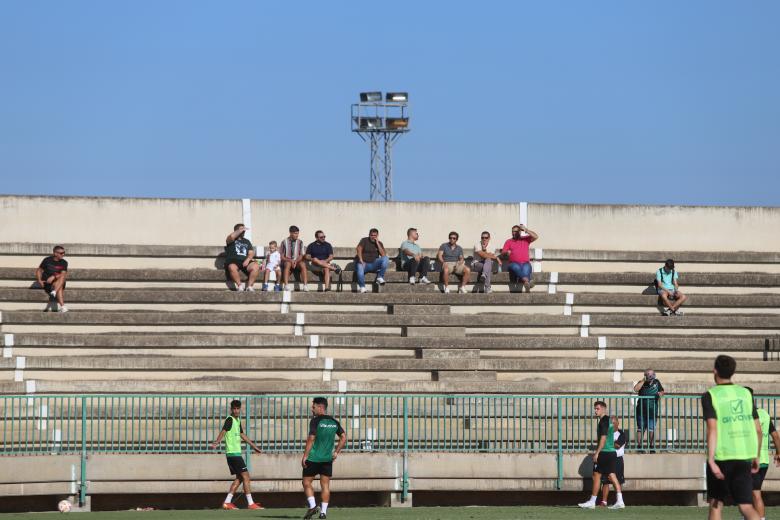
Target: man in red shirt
{"type": "Point", "coordinates": [517, 250]}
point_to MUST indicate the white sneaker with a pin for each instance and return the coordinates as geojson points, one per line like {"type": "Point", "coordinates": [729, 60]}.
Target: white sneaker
{"type": "Point", "coordinates": [53, 294]}
{"type": "Point", "coordinates": [424, 280]}
{"type": "Point", "coordinates": [250, 289]}
{"type": "Point", "coordinates": [446, 290]}
{"type": "Point", "coordinates": [462, 290]}
{"type": "Point", "coordinates": [305, 288]}
{"type": "Point", "coordinates": [63, 309]}
{"type": "Point", "coordinates": [411, 280]}
{"type": "Point", "coordinates": [362, 289]}
{"type": "Point", "coordinates": [488, 290]}
{"type": "Point", "coordinates": [240, 287]}
{"type": "Point", "coordinates": [380, 280]}
{"type": "Point", "coordinates": [588, 505]}
{"type": "Point", "coordinates": [618, 505]}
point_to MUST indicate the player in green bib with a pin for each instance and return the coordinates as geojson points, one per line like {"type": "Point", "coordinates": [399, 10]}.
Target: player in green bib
{"type": "Point", "coordinates": [767, 430]}
{"type": "Point", "coordinates": [233, 434]}
{"type": "Point", "coordinates": [604, 459]}
{"type": "Point", "coordinates": [733, 450]}
{"type": "Point", "coordinates": [319, 455]}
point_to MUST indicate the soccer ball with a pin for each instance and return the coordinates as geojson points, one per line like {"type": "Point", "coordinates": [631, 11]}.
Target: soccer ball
{"type": "Point", "coordinates": [64, 506]}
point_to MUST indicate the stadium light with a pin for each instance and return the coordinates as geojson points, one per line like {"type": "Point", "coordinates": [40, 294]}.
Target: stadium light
{"type": "Point", "coordinates": [397, 97]}
{"type": "Point", "coordinates": [370, 97]}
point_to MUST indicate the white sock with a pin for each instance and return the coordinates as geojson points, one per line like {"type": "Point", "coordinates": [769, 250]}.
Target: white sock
{"type": "Point", "coordinates": [312, 502]}
{"type": "Point", "coordinates": [324, 507]}
{"type": "Point", "coordinates": [619, 498]}
{"type": "Point", "coordinates": [229, 498]}
{"type": "Point", "coordinates": [249, 499]}
{"type": "Point", "coordinates": [593, 499]}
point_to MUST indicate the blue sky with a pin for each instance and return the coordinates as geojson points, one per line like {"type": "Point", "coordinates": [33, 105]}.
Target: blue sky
{"type": "Point", "coordinates": [662, 102]}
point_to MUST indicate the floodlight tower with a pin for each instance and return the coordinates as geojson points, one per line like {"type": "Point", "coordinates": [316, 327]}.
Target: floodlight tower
{"type": "Point", "coordinates": [381, 122]}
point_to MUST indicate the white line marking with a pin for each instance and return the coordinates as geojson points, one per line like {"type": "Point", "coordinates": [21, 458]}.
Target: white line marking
{"type": "Point", "coordinates": [326, 375]}
{"type": "Point", "coordinates": [583, 332]}
{"type": "Point", "coordinates": [538, 253]}
{"type": "Point", "coordinates": [286, 296]}
{"type": "Point", "coordinates": [246, 216]}
{"type": "Point", "coordinates": [314, 340]}
{"type": "Point", "coordinates": [285, 308]}
{"type": "Point", "coordinates": [552, 289]}
{"type": "Point", "coordinates": [602, 342]}
{"type": "Point", "coordinates": [298, 330]}
{"type": "Point", "coordinates": [342, 386]}
{"type": "Point", "coordinates": [554, 277]}
{"type": "Point", "coordinates": [8, 340]}
{"type": "Point", "coordinates": [585, 320]}
{"type": "Point", "coordinates": [569, 298]}
{"type": "Point", "coordinates": [8, 352]}
{"type": "Point", "coordinates": [619, 364]}
{"type": "Point", "coordinates": [21, 361]}
{"type": "Point", "coordinates": [537, 267]}
{"type": "Point", "coordinates": [567, 310]}
{"type": "Point", "coordinates": [312, 353]}
{"type": "Point", "coordinates": [328, 363]}
{"type": "Point", "coordinates": [616, 376]}
{"type": "Point", "coordinates": [601, 354]}
{"type": "Point", "coordinates": [18, 376]}
{"type": "Point", "coordinates": [299, 319]}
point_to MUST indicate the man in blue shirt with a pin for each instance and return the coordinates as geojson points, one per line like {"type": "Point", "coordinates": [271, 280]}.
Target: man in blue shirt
{"type": "Point", "coordinates": [668, 289]}
{"type": "Point", "coordinates": [320, 256]}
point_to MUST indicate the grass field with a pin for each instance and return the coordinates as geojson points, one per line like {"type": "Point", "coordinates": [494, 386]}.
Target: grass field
{"type": "Point", "coordinates": [417, 513]}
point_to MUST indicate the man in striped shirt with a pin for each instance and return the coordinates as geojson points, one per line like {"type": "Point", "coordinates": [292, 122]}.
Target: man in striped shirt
{"type": "Point", "coordinates": [293, 258]}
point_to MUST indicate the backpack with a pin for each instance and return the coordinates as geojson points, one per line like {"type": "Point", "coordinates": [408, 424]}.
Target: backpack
{"type": "Point", "coordinates": [655, 280]}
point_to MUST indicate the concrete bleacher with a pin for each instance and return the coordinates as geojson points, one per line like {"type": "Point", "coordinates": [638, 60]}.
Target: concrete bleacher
{"type": "Point", "coordinates": [161, 319]}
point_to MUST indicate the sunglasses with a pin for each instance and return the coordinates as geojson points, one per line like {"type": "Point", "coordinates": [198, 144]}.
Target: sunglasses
{"type": "Point", "coordinates": [321, 236]}
{"type": "Point", "coordinates": [453, 238]}
{"type": "Point", "coordinates": [485, 236]}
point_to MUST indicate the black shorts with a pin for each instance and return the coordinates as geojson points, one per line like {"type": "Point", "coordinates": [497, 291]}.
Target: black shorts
{"type": "Point", "coordinates": [49, 287]}
{"type": "Point", "coordinates": [738, 482]}
{"type": "Point", "coordinates": [236, 464]}
{"type": "Point", "coordinates": [758, 478]}
{"type": "Point", "coordinates": [618, 472]}
{"type": "Point", "coordinates": [606, 463]}
{"type": "Point", "coordinates": [239, 264]}
{"type": "Point", "coordinates": [312, 469]}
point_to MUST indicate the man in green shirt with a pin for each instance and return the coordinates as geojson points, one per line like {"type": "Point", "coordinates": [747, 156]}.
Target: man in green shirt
{"type": "Point", "coordinates": [767, 430]}
{"type": "Point", "coordinates": [319, 455]}
{"type": "Point", "coordinates": [733, 450]}
{"type": "Point", "coordinates": [234, 434]}
{"type": "Point", "coordinates": [605, 458]}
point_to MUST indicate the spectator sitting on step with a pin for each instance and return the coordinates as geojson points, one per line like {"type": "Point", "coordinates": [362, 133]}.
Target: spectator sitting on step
{"type": "Point", "coordinates": [517, 249]}
{"type": "Point", "coordinates": [293, 259]}
{"type": "Point", "coordinates": [412, 260]}
{"type": "Point", "coordinates": [669, 289]}
{"type": "Point", "coordinates": [240, 256]}
{"type": "Point", "coordinates": [320, 256]}
{"type": "Point", "coordinates": [51, 276]}
{"type": "Point", "coordinates": [370, 258]}
{"type": "Point", "coordinates": [483, 260]}
{"type": "Point", "coordinates": [451, 258]}
{"type": "Point", "coordinates": [271, 264]}
{"type": "Point", "coordinates": [651, 390]}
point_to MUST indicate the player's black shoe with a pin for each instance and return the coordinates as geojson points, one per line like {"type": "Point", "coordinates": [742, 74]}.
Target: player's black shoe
{"type": "Point", "coordinates": [323, 515]}
{"type": "Point", "coordinates": [311, 512]}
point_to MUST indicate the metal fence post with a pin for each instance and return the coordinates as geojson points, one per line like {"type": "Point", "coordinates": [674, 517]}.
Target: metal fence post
{"type": "Point", "coordinates": [559, 484]}
{"type": "Point", "coordinates": [405, 483]}
{"type": "Point", "coordinates": [83, 483]}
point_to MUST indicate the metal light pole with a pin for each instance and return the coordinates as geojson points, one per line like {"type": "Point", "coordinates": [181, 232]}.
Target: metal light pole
{"type": "Point", "coordinates": [381, 122]}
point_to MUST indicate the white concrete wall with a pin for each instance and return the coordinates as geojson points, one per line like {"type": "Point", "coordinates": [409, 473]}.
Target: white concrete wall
{"type": "Point", "coordinates": [561, 226]}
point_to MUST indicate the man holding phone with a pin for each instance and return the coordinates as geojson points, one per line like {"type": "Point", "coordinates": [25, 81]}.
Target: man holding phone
{"type": "Point", "coordinates": [650, 390]}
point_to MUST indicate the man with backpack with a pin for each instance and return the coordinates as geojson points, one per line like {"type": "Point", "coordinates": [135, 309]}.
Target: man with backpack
{"type": "Point", "coordinates": [668, 289]}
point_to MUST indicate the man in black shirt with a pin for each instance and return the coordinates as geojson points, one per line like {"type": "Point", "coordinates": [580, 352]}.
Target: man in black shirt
{"type": "Point", "coordinates": [240, 256]}
{"type": "Point", "coordinates": [51, 275]}
{"type": "Point", "coordinates": [320, 256]}
{"type": "Point", "coordinates": [651, 389]}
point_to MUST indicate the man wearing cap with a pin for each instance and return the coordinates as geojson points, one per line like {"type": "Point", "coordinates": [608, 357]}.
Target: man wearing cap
{"type": "Point", "coordinates": [669, 289]}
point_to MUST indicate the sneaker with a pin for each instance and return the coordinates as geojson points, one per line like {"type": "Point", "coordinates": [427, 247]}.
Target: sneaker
{"type": "Point", "coordinates": [311, 512]}
{"type": "Point", "coordinates": [336, 268]}
{"type": "Point", "coordinates": [446, 290]}
{"type": "Point", "coordinates": [380, 280]}
{"type": "Point", "coordinates": [678, 312]}
{"type": "Point", "coordinates": [362, 289]}
{"type": "Point", "coordinates": [424, 280]}
{"type": "Point", "coordinates": [323, 515]}
{"type": "Point", "coordinates": [588, 505]}
{"type": "Point", "coordinates": [277, 288]}
{"type": "Point", "coordinates": [411, 280]}
{"type": "Point", "coordinates": [228, 505]}
{"type": "Point", "coordinates": [53, 294]}
{"type": "Point", "coordinates": [250, 289]}
{"type": "Point", "coordinates": [265, 287]}
{"type": "Point", "coordinates": [488, 290]}
{"type": "Point", "coordinates": [256, 505]}
{"type": "Point", "coordinates": [666, 311]}
{"type": "Point", "coordinates": [326, 289]}
{"type": "Point", "coordinates": [63, 309]}
{"type": "Point", "coordinates": [462, 290]}
{"type": "Point", "coordinates": [305, 288]}
{"type": "Point", "coordinates": [618, 505]}
{"type": "Point", "coordinates": [603, 504]}
{"type": "Point", "coordinates": [482, 277]}
{"type": "Point", "coordinates": [240, 287]}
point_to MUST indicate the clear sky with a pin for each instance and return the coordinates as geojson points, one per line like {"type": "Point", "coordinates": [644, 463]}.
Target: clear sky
{"type": "Point", "coordinates": [670, 102]}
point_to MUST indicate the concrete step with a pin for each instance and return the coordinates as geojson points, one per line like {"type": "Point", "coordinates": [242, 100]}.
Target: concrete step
{"type": "Point", "coordinates": [390, 299]}
{"type": "Point", "coordinates": [704, 322]}
{"type": "Point", "coordinates": [220, 385]}
{"type": "Point", "coordinates": [640, 279]}
{"type": "Point", "coordinates": [237, 342]}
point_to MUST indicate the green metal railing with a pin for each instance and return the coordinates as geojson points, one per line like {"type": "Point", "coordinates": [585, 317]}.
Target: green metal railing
{"type": "Point", "coordinates": [85, 424]}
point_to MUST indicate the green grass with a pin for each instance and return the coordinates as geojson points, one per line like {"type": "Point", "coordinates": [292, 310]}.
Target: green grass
{"type": "Point", "coordinates": [417, 513]}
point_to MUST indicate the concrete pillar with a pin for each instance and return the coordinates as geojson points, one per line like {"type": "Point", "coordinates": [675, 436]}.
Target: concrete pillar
{"type": "Point", "coordinates": [395, 500]}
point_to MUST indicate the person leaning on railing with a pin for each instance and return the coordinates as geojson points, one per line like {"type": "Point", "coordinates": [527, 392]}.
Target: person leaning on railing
{"type": "Point", "coordinates": [650, 389]}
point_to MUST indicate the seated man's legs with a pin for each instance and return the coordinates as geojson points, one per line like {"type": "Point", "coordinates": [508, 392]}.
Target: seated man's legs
{"type": "Point", "coordinates": [464, 272]}
{"type": "Point", "coordinates": [304, 273]}
{"type": "Point", "coordinates": [254, 270]}
{"type": "Point", "coordinates": [444, 277]}
{"type": "Point", "coordinates": [233, 272]}
{"type": "Point", "coordinates": [378, 266]}
{"type": "Point", "coordinates": [286, 268]}
{"type": "Point", "coordinates": [667, 298]}
{"type": "Point", "coordinates": [679, 299]}
{"type": "Point", "coordinates": [411, 266]}
{"type": "Point", "coordinates": [360, 272]}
